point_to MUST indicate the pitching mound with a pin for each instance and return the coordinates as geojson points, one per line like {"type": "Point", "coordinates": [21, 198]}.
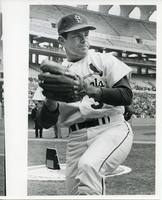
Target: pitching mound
{"type": "Point", "coordinates": [41, 172]}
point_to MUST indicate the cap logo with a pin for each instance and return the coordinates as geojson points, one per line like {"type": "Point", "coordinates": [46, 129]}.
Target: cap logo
{"type": "Point", "coordinates": [78, 19]}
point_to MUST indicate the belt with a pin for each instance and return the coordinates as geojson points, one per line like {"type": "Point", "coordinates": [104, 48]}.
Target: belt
{"type": "Point", "coordinates": [96, 122]}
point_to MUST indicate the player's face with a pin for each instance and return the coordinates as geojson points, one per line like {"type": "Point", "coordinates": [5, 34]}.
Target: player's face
{"type": "Point", "coordinates": [76, 45]}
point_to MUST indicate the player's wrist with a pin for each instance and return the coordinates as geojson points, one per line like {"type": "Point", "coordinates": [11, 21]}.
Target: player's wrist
{"type": "Point", "coordinates": [94, 92]}
{"type": "Point", "coordinates": [51, 105]}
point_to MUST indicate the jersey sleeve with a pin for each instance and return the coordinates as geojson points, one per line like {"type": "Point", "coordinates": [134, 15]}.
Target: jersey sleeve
{"type": "Point", "coordinates": [45, 118]}
{"type": "Point", "coordinates": [114, 69]}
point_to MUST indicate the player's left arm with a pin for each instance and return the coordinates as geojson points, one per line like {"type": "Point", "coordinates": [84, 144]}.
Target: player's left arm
{"type": "Point", "coordinates": [119, 94]}
{"type": "Point", "coordinates": [48, 114]}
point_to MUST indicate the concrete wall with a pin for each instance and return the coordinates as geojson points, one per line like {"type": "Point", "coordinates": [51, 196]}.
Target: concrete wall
{"type": "Point", "coordinates": [143, 121]}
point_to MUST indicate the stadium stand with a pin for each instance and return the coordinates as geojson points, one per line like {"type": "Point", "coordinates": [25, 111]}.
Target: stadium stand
{"type": "Point", "coordinates": [132, 45]}
{"type": "Point", "coordinates": [32, 86]}
{"type": "Point", "coordinates": [34, 70]}
{"type": "Point", "coordinates": [151, 48]}
{"type": "Point", "coordinates": [128, 27]}
{"type": "Point", "coordinates": [151, 27]}
{"type": "Point", "coordinates": [46, 13]}
{"type": "Point", "coordinates": [41, 18]}
{"type": "Point", "coordinates": [143, 83]}
{"type": "Point", "coordinates": [144, 104]}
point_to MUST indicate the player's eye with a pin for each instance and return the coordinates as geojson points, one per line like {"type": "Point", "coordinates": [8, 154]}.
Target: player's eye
{"type": "Point", "coordinates": [86, 33]}
{"type": "Point", "coordinates": [76, 35]}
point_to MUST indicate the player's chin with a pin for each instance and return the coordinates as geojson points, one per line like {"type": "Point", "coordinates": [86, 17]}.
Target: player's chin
{"type": "Point", "coordinates": [83, 51]}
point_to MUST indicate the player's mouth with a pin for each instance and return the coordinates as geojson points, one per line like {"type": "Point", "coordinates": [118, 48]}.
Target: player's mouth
{"type": "Point", "coordinates": [83, 47]}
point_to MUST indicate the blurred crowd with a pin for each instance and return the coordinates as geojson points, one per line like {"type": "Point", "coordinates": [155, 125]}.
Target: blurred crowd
{"type": "Point", "coordinates": [142, 86]}
{"type": "Point", "coordinates": [32, 86]}
{"type": "Point", "coordinates": [143, 104]}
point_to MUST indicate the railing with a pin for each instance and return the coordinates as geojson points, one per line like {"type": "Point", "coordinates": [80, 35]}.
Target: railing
{"type": "Point", "coordinates": [58, 50]}
{"type": "Point", "coordinates": [136, 60]}
{"type": "Point", "coordinates": [36, 46]}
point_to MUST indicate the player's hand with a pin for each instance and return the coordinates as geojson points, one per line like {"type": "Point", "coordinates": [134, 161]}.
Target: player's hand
{"type": "Point", "coordinates": [60, 84]}
{"type": "Point", "coordinates": [76, 81]}
{"type": "Point", "coordinates": [94, 92]}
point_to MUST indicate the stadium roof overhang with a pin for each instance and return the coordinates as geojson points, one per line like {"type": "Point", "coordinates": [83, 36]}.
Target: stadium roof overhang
{"type": "Point", "coordinates": [41, 39]}
{"type": "Point", "coordinates": [145, 10]}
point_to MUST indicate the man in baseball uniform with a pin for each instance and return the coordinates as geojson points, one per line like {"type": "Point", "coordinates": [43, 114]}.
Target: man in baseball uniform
{"type": "Point", "coordinates": [99, 137]}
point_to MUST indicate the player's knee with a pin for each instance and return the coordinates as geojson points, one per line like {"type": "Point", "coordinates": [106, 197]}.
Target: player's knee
{"type": "Point", "coordinates": [85, 164]}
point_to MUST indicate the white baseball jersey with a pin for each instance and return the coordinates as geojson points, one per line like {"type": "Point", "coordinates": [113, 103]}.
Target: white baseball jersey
{"type": "Point", "coordinates": [99, 70]}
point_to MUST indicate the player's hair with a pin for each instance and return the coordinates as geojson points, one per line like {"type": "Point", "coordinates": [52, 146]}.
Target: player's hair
{"type": "Point", "coordinates": [64, 35]}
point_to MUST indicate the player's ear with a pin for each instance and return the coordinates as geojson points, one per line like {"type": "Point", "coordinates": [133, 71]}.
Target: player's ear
{"type": "Point", "coordinates": [61, 40]}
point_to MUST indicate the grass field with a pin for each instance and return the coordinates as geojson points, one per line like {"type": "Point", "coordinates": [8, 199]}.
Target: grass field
{"type": "Point", "coordinates": [141, 180]}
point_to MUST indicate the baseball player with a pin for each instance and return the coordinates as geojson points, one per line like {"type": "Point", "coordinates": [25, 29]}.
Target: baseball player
{"type": "Point", "coordinates": [99, 137]}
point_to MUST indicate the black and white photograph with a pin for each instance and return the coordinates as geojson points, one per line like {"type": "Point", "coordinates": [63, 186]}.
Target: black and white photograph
{"type": "Point", "coordinates": [92, 100]}
{"type": "Point", "coordinates": [80, 99]}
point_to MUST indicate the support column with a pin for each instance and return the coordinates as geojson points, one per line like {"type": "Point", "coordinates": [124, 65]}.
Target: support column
{"type": "Point", "coordinates": [119, 54]}
{"type": "Point", "coordinates": [50, 57]}
{"type": "Point", "coordinates": [30, 57]}
{"type": "Point", "coordinates": [139, 70]}
{"type": "Point", "coordinates": [31, 39]}
{"type": "Point", "coordinates": [36, 58]}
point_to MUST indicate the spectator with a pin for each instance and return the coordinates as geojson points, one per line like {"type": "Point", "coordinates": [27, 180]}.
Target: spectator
{"type": "Point", "coordinates": [38, 128]}
{"type": "Point", "coordinates": [144, 104]}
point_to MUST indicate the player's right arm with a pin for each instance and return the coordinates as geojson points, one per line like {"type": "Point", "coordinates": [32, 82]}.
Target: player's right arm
{"type": "Point", "coordinates": [48, 114]}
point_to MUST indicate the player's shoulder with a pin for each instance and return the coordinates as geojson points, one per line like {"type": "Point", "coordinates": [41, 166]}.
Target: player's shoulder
{"type": "Point", "coordinates": [101, 55]}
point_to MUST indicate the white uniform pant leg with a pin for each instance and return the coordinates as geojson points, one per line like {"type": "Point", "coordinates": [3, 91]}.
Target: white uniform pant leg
{"type": "Point", "coordinates": [77, 145]}
{"type": "Point", "coordinates": [109, 149]}
{"type": "Point", "coordinates": [94, 153]}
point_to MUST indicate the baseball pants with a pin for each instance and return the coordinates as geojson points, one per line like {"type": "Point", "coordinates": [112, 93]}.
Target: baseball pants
{"type": "Point", "coordinates": [94, 152]}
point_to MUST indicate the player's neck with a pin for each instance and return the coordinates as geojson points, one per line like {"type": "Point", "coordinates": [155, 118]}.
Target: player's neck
{"type": "Point", "coordinates": [74, 58]}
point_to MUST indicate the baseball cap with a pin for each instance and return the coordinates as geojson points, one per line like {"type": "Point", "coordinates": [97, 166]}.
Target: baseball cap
{"type": "Point", "coordinates": [72, 22]}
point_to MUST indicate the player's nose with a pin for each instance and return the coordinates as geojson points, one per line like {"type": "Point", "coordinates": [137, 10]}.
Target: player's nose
{"type": "Point", "coordinates": [82, 38]}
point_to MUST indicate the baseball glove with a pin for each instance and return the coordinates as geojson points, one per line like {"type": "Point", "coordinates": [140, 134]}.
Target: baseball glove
{"type": "Point", "coordinates": [59, 84]}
